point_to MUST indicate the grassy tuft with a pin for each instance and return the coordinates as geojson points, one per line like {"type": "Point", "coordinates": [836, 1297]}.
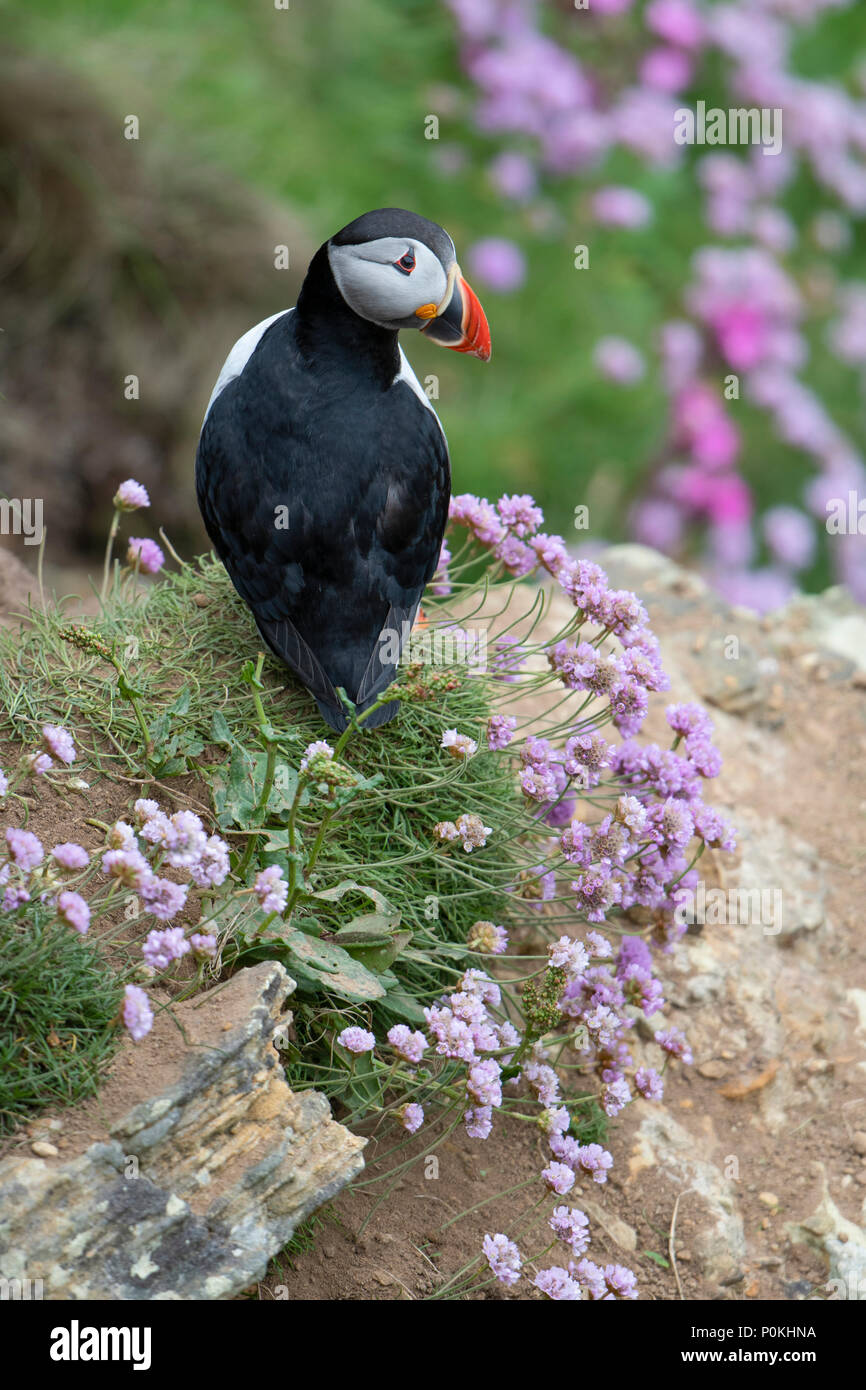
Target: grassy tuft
{"type": "Point", "coordinates": [57, 1004]}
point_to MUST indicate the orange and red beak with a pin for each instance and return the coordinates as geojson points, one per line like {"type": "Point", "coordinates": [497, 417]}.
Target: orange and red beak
{"type": "Point", "coordinates": [459, 321]}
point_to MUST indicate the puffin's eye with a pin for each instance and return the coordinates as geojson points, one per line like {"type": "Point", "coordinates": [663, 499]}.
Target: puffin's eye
{"type": "Point", "coordinates": [406, 263]}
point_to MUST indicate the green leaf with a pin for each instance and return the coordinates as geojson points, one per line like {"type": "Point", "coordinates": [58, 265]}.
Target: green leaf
{"type": "Point", "coordinates": [239, 784]}
{"type": "Point", "coordinates": [402, 1005]}
{"type": "Point", "coordinates": [327, 965]}
{"type": "Point", "coordinates": [181, 704]}
{"type": "Point", "coordinates": [379, 957]}
{"type": "Point", "coordinates": [234, 790]}
{"type": "Point", "coordinates": [219, 729]}
{"type": "Point", "coordinates": [656, 1258]}
{"type": "Point", "coordinates": [333, 895]}
{"type": "Point", "coordinates": [370, 928]}
{"type": "Point", "coordinates": [126, 690]}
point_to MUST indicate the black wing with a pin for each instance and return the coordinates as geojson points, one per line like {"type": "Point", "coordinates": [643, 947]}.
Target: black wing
{"type": "Point", "coordinates": [327, 508]}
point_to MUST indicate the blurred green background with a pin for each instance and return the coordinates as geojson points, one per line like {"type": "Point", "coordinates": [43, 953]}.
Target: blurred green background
{"type": "Point", "coordinates": [260, 126]}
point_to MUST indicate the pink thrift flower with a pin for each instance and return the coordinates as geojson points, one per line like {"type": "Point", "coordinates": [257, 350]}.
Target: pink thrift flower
{"type": "Point", "coordinates": [203, 944]}
{"type": "Point", "coordinates": [70, 856]}
{"type": "Point", "coordinates": [571, 1226]}
{"type": "Point", "coordinates": [72, 908]}
{"type": "Point", "coordinates": [24, 848]}
{"type": "Point", "coordinates": [411, 1117]}
{"type": "Point", "coordinates": [130, 496]}
{"type": "Point", "coordinates": [59, 743]}
{"type": "Point", "coordinates": [460, 746]}
{"type": "Point", "coordinates": [137, 1013]}
{"type": "Point", "coordinates": [621, 207]}
{"type": "Point", "coordinates": [271, 889]}
{"type": "Point", "coordinates": [357, 1040]}
{"type": "Point", "coordinates": [212, 866]}
{"type": "Point", "coordinates": [163, 898]}
{"type": "Point", "coordinates": [478, 1122]}
{"type": "Point", "coordinates": [498, 263]}
{"type": "Point", "coordinates": [163, 947]}
{"type": "Point", "coordinates": [409, 1045]}
{"type": "Point", "coordinates": [503, 1257]}
{"type": "Point", "coordinates": [558, 1177]}
{"type": "Point", "coordinates": [500, 731]}
{"type": "Point", "coordinates": [144, 555]}
{"type": "Point", "coordinates": [619, 360]}
{"type": "Point", "coordinates": [128, 865]}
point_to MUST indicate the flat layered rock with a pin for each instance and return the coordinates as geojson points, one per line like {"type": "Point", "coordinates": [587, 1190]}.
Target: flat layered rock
{"type": "Point", "coordinates": [190, 1169]}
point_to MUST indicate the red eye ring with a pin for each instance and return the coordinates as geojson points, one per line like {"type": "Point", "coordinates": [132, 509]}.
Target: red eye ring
{"type": "Point", "coordinates": [406, 263]}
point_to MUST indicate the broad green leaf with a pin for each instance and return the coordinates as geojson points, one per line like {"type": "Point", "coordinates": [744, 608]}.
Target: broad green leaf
{"type": "Point", "coordinates": [332, 895]}
{"type": "Point", "coordinates": [330, 967]}
{"type": "Point", "coordinates": [369, 928]}
{"type": "Point", "coordinates": [219, 729]}
{"type": "Point", "coordinates": [380, 957]}
{"type": "Point", "coordinates": [181, 704]}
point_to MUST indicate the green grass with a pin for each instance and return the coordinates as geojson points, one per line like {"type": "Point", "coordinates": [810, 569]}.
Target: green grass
{"type": "Point", "coordinates": [185, 645]}
{"type": "Point", "coordinates": [57, 1002]}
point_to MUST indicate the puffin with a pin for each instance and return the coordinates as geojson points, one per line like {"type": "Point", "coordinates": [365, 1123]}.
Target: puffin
{"type": "Point", "coordinates": [322, 469]}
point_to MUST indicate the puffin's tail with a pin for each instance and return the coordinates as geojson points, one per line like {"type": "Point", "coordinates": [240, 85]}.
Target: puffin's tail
{"type": "Point", "coordinates": [335, 716]}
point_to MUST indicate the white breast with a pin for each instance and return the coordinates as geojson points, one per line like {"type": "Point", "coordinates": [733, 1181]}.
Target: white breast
{"type": "Point", "coordinates": [240, 356]}
{"type": "Point", "coordinates": [406, 374]}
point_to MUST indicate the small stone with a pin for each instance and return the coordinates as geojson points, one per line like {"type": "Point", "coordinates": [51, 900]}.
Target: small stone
{"type": "Point", "coordinates": [770, 1262]}
{"type": "Point", "coordinates": [686, 1256]}
{"type": "Point", "coordinates": [736, 1277]}
{"type": "Point", "coordinates": [713, 1070]}
{"type": "Point", "coordinates": [44, 1149]}
{"type": "Point", "coordinates": [769, 1199]}
{"type": "Point", "coordinates": [860, 1141]}
{"type": "Point", "coordinates": [861, 1177]}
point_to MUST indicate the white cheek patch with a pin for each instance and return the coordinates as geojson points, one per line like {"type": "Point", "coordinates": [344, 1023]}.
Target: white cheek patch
{"type": "Point", "coordinates": [371, 284]}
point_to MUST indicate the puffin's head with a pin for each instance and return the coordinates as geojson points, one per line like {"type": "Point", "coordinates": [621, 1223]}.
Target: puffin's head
{"type": "Point", "coordinates": [400, 271]}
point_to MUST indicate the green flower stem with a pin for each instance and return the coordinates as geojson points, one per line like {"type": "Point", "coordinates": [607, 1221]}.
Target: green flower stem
{"type": "Point", "coordinates": [109, 546]}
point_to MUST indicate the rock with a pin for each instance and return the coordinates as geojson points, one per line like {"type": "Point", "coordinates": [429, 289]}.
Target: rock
{"type": "Point", "coordinates": [824, 1230]}
{"type": "Point", "coordinates": [859, 1141]}
{"type": "Point", "coordinates": [191, 1189]}
{"type": "Point", "coordinates": [713, 1070]}
{"type": "Point", "coordinates": [832, 620]}
{"type": "Point", "coordinates": [718, 1242]}
{"type": "Point", "coordinates": [44, 1149]}
{"type": "Point", "coordinates": [619, 1231]}
{"type": "Point", "coordinates": [769, 1199]}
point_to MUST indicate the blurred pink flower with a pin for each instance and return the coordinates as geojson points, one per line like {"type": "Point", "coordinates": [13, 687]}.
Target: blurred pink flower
{"type": "Point", "coordinates": [498, 263]}
{"type": "Point", "coordinates": [741, 333]}
{"type": "Point", "coordinates": [762, 590]}
{"type": "Point", "coordinates": [675, 20]}
{"type": "Point", "coordinates": [513, 175]}
{"type": "Point", "coordinates": [616, 206]}
{"type": "Point", "coordinates": [658, 522]}
{"type": "Point", "coordinates": [722, 497]}
{"type": "Point", "coordinates": [667, 69]}
{"type": "Point", "coordinates": [790, 535]}
{"type": "Point", "coordinates": [619, 360]}
{"type": "Point", "coordinates": [702, 425]}
{"type": "Point", "coordinates": [681, 348]}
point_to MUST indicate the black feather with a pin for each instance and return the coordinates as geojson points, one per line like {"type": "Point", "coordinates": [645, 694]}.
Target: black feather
{"type": "Point", "coordinates": [324, 486]}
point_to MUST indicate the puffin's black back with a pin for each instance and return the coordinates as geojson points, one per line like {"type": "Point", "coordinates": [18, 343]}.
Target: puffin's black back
{"type": "Point", "coordinates": [317, 425]}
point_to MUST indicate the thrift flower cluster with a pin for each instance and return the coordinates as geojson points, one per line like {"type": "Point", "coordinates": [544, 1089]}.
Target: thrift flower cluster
{"type": "Point", "coordinates": [766, 292]}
